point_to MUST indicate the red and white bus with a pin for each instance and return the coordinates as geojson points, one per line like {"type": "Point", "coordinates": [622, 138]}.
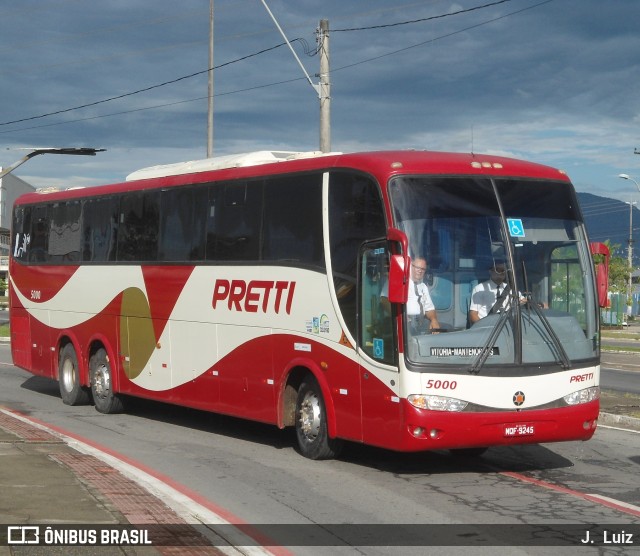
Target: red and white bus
{"type": "Point", "coordinates": [272, 286]}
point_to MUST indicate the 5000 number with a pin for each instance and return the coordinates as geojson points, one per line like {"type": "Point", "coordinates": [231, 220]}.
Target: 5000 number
{"type": "Point", "coordinates": [442, 384]}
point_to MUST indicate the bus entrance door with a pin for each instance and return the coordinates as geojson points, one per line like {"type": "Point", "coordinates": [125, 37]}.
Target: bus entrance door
{"type": "Point", "coordinates": [378, 368]}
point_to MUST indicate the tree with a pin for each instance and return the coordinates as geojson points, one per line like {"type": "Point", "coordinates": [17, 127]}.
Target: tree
{"type": "Point", "coordinates": [619, 270]}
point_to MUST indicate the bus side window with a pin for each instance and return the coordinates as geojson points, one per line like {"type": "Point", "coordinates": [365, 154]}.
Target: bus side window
{"type": "Point", "coordinates": [39, 248]}
{"type": "Point", "coordinates": [182, 225]}
{"type": "Point", "coordinates": [100, 229]}
{"type": "Point", "coordinates": [234, 221]}
{"type": "Point", "coordinates": [65, 232]}
{"type": "Point", "coordinates": [356, 215]}
{"type": "Point", "coordinates": [293, 219]}
{"type": "Point", "coordinates": [21, 228]}
{"type": "Point", "coordinates": [139, 227]}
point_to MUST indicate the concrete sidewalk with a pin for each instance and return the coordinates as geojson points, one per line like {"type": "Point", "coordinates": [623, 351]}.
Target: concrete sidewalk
{"type": "Point", "coordinates": [44, 481]}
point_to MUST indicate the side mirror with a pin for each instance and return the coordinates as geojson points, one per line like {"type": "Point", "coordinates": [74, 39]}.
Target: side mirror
{"type": "Point", "coordinates": [600, 253]}
{"type": "Point", "coordinates": [399, 266]}
{"type": "Point", "coordinates": [398, 282]}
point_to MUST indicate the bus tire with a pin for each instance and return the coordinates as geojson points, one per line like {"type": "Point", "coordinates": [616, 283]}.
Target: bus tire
{"type": "Point", "coordinates": [311, 423]}
{"type": "Point", "coordinates": [71, 390]}
{"type": "Point", "coordinates": [104, 398]}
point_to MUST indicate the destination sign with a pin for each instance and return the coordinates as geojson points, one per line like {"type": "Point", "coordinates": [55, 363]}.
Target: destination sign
{"type": "Point", "coordinates": [461, 351]}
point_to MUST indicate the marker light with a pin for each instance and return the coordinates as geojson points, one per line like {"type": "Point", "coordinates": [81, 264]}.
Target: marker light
{"type": "Point", "coordinates": [436, 403]}
{"type": "Point", "coordinates": [583, 396]}
{"type": "Point", "coordinates": [484, 164]}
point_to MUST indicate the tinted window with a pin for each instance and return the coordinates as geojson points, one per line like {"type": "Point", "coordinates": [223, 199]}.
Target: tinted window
{"type": "Point", "coordinates": [234, 222]}
{"type": "Point", "coordinates": [21, 228]}
{"type": "Point", "coordinates": [65, 232]}
{"type": "Point", "coordinates": [356, 215]}
{"type": "Point", "coordinates": [138, 229]}
{"type": "Point", "coordinates": [100, 229]}
{"type": "Point", "coordinates": [182, 225]}
{"type": "Point", "coordinates": [39, 245]}
{"type": "Point", "coordinates": [293, 220]}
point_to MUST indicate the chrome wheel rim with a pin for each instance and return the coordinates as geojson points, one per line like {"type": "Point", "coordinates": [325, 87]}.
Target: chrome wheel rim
{"type": "Point", "coordinates": [101, 381]}
{"type": "Point", "coordinates": [68, 375]}
{"type": "Point", "coordinates": [310, 416]}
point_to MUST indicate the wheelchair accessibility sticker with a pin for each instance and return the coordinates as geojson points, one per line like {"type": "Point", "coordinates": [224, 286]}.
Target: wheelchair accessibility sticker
{"type": "Point", "coordinates": [378, 348]}
{"type": "Point", "coordinates": [516, 229]}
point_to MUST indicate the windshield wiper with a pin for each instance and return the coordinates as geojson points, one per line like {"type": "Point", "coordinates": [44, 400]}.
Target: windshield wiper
{"type": "Point", "coordinates": [487, 348]}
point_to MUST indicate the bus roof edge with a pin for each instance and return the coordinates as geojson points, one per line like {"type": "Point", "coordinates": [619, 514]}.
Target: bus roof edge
{"type": "Point", "coordinates": [221, 162]}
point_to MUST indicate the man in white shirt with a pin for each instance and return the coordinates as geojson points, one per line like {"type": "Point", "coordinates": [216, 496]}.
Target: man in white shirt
{"type": "Point", "coordinates": [419, 303]}
{"type": "Point", "coordinates": [490, 296]}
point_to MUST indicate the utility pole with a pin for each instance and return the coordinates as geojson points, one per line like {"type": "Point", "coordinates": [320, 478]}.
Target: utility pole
{"type": "Point", "coordinates": [322, 89]}
{"type": "Point", "coordinates": [210, 88]}
{"type": "Point", "coordinates": [630, 253]}
{"type": "Point", "coordinates": [325, 88]}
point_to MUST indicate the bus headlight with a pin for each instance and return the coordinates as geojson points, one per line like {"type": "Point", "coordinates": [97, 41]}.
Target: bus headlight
{"type": "Point", "coordinates": [436, 403]}
{"type": "Point", "coordinates": [583, 396]}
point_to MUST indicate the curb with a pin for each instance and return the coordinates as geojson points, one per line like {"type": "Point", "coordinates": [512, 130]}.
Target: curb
{"type": "Point", "coordinates": [619, 421]}
{"type": "Point", "coordinates": [123, 493]}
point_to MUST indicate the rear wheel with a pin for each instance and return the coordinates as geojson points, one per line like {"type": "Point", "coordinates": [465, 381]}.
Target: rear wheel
{"type": "Point", "coordinates": [311, 423]}
{"type": "Point", "coordinates": [104, 398]}
{"type": "Point", "coordinates": [71, 390]}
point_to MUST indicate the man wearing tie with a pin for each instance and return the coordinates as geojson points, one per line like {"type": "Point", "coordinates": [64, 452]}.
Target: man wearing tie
{"type": "Point", "coordinates": [420, 307]}
{"type": "Point", "coordinates": [491, 296]}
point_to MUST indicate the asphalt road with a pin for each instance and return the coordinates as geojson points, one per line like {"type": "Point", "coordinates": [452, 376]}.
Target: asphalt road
{"type": "Point", "coordinates": [252, 472]}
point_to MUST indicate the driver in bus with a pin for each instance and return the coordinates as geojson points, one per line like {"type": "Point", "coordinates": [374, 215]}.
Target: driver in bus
{"type": "Point", "coordinates": [491, 296]}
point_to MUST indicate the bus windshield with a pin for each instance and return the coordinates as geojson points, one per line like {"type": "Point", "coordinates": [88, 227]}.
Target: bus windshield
{"type": "Point", "coordinates": [507, 272]}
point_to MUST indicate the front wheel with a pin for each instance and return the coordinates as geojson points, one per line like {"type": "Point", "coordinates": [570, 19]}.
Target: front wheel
{"type": "Point", "coordinates": [311, 423]}
{"type": "Point", "coordinates": [105, 400]}
{"type": "Point", "coordinates": [71, 390]}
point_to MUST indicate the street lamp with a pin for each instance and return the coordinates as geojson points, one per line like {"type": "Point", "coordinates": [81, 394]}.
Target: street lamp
{"type": "Point", "coordinates": [630, 249]}
{"type": "Point", "coordinates": [628, 177]}
{"type": "Point", "coordinates": [87, 151]}
{"type": "Point", "coordinates": [90, 151]}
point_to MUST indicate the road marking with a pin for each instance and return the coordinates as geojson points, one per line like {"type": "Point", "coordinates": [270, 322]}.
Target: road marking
{"type": "Point", "coordinates": [600, 426]}
{"type": "Point", "coordinates": [602, 500]}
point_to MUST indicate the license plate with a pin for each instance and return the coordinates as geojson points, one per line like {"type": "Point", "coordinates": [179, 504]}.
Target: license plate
{"type": "Point", "coordinates": [519, 430]}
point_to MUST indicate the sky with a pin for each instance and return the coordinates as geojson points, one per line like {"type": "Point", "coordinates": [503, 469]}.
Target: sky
{"type": "Point", "coordinates": [551, 81]}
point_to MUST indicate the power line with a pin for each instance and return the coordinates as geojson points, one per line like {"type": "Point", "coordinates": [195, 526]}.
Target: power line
{"type": "Point", "coordinates": [421, 20]}
{"type": "Point", "coordinates": [143, 90]}
{"type": "Point", "coordinates": [154, 107]}
{"type": "Point", "coordinates": [266, 85]}
{"type": "Point", "coordinates": [442, 36]}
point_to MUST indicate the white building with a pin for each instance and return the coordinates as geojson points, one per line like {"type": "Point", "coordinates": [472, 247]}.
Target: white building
{"type": "Point", "coordinates": [11, 187]}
